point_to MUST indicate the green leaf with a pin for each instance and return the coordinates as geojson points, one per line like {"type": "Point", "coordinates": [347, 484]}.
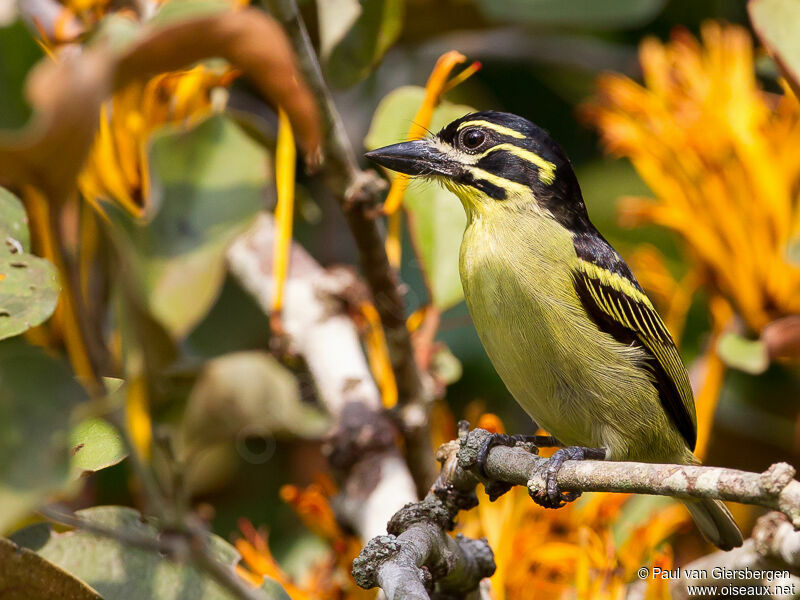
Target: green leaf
{"type": "Point", "coordinates": [246, 392]}
{"type": "Point", "coordinates": [28, 293]}
{"type": "Point", "coordinates": [25, 575]}
{"type": "Point", "coordinates": [445, 366]}
{"type": "Point", "coordinates": [775, 23]}
{"type": "Point", "coordinates": [95, 444]}
{"type": "Point", "coordinates": [28, 284]}
{"type": "Point", "coordinates": [13, 225]}
{"type": "Point", "coordinates": [37, 396]}
{"type": "Point", "coordinates": [207, 185]}
{"type": "Point", "coordinates": [181, 10]}
{"type": "Point", "coordinates": [18, 53]}
{"type": "Point", "coordinates": [436, 218]}
{"type": "Point", "coordinates": [745, 355]}
{"type": "Point", "coordinates": [585, 13]}
{"type": "Point", "coordinates": [121, 572]}
{"type": "Point", "coordinates": [355, 34]}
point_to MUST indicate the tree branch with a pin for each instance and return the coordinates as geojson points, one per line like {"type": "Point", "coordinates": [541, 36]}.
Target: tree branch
{"type": "Point", "coordinates": [776, 488]}
{"type": "Point", "coordinates": [373, 476]}
{"type": "Point", "coordinates": [358, 193]}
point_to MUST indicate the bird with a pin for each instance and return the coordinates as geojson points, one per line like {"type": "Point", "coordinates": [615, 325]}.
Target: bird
{"type": "Point", "coordinates": [564, 321]}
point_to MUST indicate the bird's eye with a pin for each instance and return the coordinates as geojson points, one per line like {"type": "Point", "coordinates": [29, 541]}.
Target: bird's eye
{"type": "Point", "coordinates": [472, 138]}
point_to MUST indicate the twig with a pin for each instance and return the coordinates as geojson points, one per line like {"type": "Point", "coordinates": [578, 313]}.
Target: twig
{"type": "Point", "coordinates": [358, 193]}
{"type": "Point", "coordinates": [776, 488]}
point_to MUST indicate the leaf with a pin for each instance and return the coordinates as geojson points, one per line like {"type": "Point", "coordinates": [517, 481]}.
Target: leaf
{"type": "Point", "coordinates": [28, 284]}
{"type": "Point", "coordinates": [355, 34]}
{"type": "Point", "coordinates": [66, 95]}
{"type": "Point", "coordinates": [95, 444]}
{"type": "Point", "coordinates": [37, 395]}
{"type": "Point", "coordinates": [207, 184]}
{"type": "Point", "coordinates": [584, 13]}
{"type": "Point", "coordinates": [445, 366]}
{"type": "Point", "coordinates": [25, 575]}
{"type": "Point", "coordinates": [13, 224]}
{"type": "Point", "coordinates": [745, 355]}
{"type": "Point", "coordinates": [121, 572]}
{"type": "Point", "coordinates": [28, 293]}
{"type": "Point", "coordinates": [436, 218]}
{"type": "Point", "coordinates": [775, 24]}
{"type": "Point", "coordinates": [247, 392]}
{"type": "Point", "coordinates": [18, 53]}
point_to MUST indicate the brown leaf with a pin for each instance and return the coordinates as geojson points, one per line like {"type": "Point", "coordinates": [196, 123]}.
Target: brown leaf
{"type": "Point", "coordinates": [782, 338]}
{"type": "Point", "coordinates": [24, 574]}
{"type": "Point", "coordinates": [50, 151]}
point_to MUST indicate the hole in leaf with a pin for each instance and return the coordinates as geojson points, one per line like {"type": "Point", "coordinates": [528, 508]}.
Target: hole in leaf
{"type": "Point", "coordinates": [14, 245]}
{"type": "Point", "coordinates": [4, 313]}
{"type": "Point", "coordinates": [77, 448]}
{"type": "Point", "coordinates": [19, 265]}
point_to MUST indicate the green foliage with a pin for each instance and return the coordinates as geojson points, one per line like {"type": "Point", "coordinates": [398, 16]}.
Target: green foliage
{"type": "Point", "coordinates": [18, 53]}
{"type": "Point", "coordinates": [584, 13]}
{"type": "Point", "coordinates": [95, 444]}
{"type": "Point", "coordinates": [436, 219]}
{"type": "Point", "coordinates": [207, 185]}
{"type": "Point", "coordinates": [775, 22]}
{"type": "Point", "coordinates": [355, 35]}
{"type": "Point", "coordinates": [28, 284]}
{"type": "Point", "coordinates": [37, 396]}
{"type": "Point", "coordinates": [740, 353]}
{"type": "Point", "coordinates": [121, 572]}
{"type": "Point", "coordinates": [25, 575]}
{"type": "Point", "coordinates": [248, 392]}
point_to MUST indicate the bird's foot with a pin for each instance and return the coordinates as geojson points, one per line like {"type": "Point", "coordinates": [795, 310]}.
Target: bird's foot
{"type": "Point", "coordinates": [552, 496]}
{"type": "Point", "coordinates": [495, 489]}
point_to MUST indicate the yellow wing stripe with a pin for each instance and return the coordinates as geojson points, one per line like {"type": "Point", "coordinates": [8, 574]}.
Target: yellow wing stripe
{"type": "Point", "coordinates": [494, 127]}
{"type": "Point", "coordinates": [618, 282]}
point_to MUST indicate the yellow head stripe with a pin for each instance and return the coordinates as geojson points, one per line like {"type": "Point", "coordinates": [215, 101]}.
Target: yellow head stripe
{"type": "Point", "coordinates": [494, 127]}
{"type": "Point", "coordinates": [511, 187]}
{"type": "Point", "coordinates": [547, 169]}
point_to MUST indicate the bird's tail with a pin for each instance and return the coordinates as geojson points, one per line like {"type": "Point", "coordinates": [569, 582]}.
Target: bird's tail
{"type": "Point", "coordinates": [715, 522]}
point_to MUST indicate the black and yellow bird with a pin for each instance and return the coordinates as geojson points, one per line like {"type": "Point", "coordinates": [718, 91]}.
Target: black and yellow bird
{"type": "Point", "coordinates": [567, 326]}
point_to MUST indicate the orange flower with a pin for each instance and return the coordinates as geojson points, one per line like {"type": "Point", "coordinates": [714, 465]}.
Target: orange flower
{"type": "Point", "coordinates": [722, 159]}
{"type": "Point", "coordinates": [116, 169]}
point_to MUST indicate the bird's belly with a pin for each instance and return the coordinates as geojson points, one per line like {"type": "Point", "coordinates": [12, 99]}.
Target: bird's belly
{"type": "Point", "coordinates": [576, 382]}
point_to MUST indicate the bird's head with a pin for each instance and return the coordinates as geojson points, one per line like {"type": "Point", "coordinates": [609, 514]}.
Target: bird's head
{"type": "Point", "coordinates": [494, 161]}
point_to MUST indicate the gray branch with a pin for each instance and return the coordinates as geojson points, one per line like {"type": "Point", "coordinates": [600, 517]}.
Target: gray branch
{"type": "Point", "coordinates": [358, 193]}
{"type": "Point", "coordinates": [412, 559]}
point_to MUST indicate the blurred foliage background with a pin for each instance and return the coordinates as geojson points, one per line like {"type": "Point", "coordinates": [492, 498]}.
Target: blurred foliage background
{"type": "Point", "coordinates": [184, 160]}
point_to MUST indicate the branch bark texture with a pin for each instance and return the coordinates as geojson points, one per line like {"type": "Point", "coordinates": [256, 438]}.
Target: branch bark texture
{"type": "Point", "coordinates": [358, 193]}
{"type": "Point", "coordinates": [384, 561]}
{"type": "Point", "coordinates": [374, 478]}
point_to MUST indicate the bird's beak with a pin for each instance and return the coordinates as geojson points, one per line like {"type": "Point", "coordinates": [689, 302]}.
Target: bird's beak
{"type": "Point", "coordinates": [418, 157]}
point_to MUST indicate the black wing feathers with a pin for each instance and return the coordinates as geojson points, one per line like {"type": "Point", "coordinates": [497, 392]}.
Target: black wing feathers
{"type": "Point", "coordinates": [631, 319]}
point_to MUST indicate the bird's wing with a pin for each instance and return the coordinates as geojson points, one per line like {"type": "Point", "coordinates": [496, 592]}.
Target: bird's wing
{"type": "Point", "coordinates": [620, 307]}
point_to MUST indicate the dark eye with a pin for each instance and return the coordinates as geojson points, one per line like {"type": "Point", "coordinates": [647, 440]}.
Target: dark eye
{"type": "Point", "coordinates": [472, 138]}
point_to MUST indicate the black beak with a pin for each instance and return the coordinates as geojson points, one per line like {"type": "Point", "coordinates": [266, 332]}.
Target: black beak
{"type": "Point", "coordinates": [418, 157]}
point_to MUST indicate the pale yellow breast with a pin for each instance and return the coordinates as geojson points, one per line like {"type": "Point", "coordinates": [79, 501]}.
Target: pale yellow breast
{"type": "Point", "coordinates": [572, 379]}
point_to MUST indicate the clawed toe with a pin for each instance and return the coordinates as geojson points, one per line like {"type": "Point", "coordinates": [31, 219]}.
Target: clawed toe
{"type": "Point", "coordinates": [552, 496]}
{"type": "Point", "coordinates": [495, 489]}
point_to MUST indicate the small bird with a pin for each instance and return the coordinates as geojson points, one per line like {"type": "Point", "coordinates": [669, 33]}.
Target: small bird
{"type": "Point", "coordinates": [565, 323]}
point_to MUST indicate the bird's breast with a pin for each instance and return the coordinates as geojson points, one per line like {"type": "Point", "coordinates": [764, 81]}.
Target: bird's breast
{"type": "Point", "coordinates": [517, 281]}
